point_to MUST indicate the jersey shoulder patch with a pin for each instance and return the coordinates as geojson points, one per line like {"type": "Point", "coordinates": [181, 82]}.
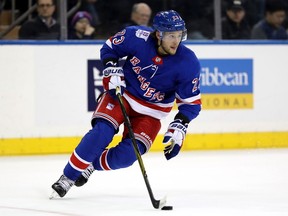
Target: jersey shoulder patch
{"type": "Point", "coordinates": [142, 34]}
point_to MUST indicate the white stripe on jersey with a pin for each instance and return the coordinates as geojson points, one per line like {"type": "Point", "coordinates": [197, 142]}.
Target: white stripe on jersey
{"type": "Point", "coordinates": [158, 114]}
{"type": "Point", "coordinates": [190, 99]}
{"type": "Point", "coordinates": [108, 42]}
{"type": "Point", "coordinates": [76, 168]}
{"type": "Point", "coordinates": [80, 159]}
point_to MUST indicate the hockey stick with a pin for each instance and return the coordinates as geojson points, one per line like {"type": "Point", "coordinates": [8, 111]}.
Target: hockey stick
{"type": "Point", "coordinates": [157, 204]}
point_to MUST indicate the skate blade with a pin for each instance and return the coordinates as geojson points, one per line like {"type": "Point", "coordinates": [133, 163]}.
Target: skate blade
{"type": "Point", "coordinates": [53, 195]}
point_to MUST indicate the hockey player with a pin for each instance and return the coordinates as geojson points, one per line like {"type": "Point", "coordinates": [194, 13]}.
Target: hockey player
{"type": "Point", "coordinates": [158, 70]}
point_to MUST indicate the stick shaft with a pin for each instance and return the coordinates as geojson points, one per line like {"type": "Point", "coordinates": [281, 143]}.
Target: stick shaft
{"type": "Point", "coordinates": [155, 203]}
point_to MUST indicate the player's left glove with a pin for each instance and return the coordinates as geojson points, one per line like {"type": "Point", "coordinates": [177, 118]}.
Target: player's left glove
{"type": "Point", "coordinates": [174, 138]}
{"type": "Point", "coordinates": [113, 77]}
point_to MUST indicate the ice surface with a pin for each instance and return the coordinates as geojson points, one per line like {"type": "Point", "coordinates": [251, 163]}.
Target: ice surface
{"type": "Point", "coordinates": [199, 183]}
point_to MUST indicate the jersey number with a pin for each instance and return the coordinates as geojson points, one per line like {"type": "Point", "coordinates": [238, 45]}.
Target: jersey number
{"type": "Point", "coordinates": [195, 84]}
{"type": "Point", "coordinates": [117, 40]}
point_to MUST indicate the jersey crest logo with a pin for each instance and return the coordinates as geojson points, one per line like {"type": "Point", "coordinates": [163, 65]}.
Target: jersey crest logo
{"type": "Point", "coordinates": [157, 60]}
{"type": "Point", "coordinates": [134, 61]}
{"type": "Point", "coordinates": [142, 34]}
{"type": "Point", "coordinates": [137, 69]}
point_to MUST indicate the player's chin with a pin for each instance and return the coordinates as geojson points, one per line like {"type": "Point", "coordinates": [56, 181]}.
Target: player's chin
{"type": "Point", "coordinates": [172, 51]}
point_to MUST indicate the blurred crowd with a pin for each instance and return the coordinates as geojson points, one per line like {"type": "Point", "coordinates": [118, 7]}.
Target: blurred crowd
{"type": "Point", "coordinates": [99, 19]}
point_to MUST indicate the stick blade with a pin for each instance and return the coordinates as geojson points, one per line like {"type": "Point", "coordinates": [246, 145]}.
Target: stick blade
{"type": "Point", "coordinates": [159, 204]}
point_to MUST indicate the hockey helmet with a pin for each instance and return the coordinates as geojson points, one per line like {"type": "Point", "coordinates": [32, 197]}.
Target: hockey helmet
{"type": "Point", "coordinates": [169, 21]}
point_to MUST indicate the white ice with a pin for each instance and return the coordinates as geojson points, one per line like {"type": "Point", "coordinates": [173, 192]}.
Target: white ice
{"type": "Point", "coordinates": [198, 183]}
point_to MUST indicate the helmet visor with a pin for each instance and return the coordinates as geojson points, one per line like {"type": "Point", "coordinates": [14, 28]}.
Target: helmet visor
{"type": "Point", "coordinates": [175, 35]}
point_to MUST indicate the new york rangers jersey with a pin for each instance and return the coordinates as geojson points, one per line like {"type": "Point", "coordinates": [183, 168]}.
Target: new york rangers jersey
{"type": "Point", "coordinates": [153, 82]}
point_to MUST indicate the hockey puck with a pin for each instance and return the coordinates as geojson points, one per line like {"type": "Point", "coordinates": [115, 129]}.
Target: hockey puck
{"type": "Point", "coordinates": [167, 208]}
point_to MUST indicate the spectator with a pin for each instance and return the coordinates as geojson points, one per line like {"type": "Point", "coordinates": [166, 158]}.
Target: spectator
{"type": "Point", "coordinates": [234, 24]}
{"type": "Point", "coordinates": [44, 26]}
{"type": "Point", "coordinates": [90, 7]}
{"type": "Point", "coordinates": [270, 27]}
{"type": "Point", "coordinates": [140, 15]}
{"type": "Point", "coordinates": [81, 26]}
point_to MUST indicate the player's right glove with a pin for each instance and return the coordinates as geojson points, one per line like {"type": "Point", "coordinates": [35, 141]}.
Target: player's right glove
{"type": "Point", "coordinates": [174, 138]}
{"type": "Point", "coordinates": [113, 77]}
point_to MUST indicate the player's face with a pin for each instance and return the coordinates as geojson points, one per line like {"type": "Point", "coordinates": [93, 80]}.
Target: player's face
{"type": "Point", "coordinates": [169, 42]}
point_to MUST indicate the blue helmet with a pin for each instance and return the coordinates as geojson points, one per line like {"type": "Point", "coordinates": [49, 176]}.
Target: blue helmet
{"type": "Point", "coordinates": [169, 21]}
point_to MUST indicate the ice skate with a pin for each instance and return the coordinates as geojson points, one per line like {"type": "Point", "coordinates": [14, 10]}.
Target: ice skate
{"type": "Point", "coordinates": [61, 187]}
{"type": "Point", "coordinates": [84, 176]}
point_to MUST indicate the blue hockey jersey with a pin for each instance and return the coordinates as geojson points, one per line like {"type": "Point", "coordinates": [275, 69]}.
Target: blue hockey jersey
{"type": "Point", "coordinates": [153, 82]}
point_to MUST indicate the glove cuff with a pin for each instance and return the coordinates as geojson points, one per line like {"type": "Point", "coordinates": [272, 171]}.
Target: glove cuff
{"type": "Point", "coordinates": [113, 71]}
{"type": "Point", "coordinates": [110, 62]}
{"type": "Point", "coordinates": [178, 126]}
{"type": "Point", "coordinates": [182, 118]}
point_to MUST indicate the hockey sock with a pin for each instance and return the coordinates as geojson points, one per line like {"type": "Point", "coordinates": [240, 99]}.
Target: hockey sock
{"type": "Point", "coordinates": [117, 157]}
{"type": "Point", "coordinates": [90, 147]}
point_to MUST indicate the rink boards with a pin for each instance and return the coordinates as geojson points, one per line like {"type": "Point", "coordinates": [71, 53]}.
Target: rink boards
{"type": "Point", "coordinates": [63, 145]}
{"type": "Point", "coordinates": [47, 88]}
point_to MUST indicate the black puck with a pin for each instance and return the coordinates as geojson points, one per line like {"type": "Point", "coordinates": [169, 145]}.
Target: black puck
{"type": "Point", "coordinates": [167, 208]}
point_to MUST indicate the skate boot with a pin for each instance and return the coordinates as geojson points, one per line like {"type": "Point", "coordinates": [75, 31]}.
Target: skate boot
{"type": "Point", "coordinates": [61, 187]}
{"type": "Point", "coordinates": [84, 176]}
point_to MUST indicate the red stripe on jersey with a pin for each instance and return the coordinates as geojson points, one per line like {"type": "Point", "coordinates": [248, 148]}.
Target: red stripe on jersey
{"type": "Point", "coordinates": [197, 101]}
{"type": "Point", "coordinates": [150, 105]}
{"type": "Point", "coordinates": [77, 163]}
{"type": "Point", "coordinates": [103, 161]}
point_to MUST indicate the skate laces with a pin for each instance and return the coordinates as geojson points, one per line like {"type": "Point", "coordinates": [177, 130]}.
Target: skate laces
{"type": "Point", "coordinates": [88, 171]}
{"type": "Point", "coordinates": [65, 182]}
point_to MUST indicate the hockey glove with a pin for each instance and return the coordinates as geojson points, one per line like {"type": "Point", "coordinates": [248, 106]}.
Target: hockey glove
{"type": "Point", "coordinates": [174, 138]}
{"type": "Point", "coordinates": [113, 77]}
